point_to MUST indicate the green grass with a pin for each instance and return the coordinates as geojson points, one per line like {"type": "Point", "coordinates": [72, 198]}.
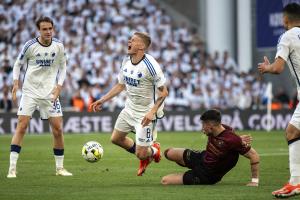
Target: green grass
{"type": "Point", "coordinates": [114, 177]}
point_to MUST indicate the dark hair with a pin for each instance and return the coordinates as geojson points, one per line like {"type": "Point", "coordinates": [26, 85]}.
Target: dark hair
{"type": "Point", "coordinates": [292, 11]}
{"type": "Point", "coordinates": [43, 19]}
{"type": "Point", "coordinates": [211, 115]}
{"type": "Point", "coordinates": [145, 37]}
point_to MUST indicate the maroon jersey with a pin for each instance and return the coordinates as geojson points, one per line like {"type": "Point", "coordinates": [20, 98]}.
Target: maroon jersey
{"type": "Point", "coordinates": [222, 152]}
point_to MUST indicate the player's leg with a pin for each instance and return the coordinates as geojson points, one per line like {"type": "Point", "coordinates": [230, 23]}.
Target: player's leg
{"type": "Point", "coordinates": [293, 139]}
{"type": "Point", "coordinates": [26, 108]}
{"type": "Point", "coordinates": [56, 124]}
{"type": "Point", "coordinates": [146, 150]}
{"type": "Point", "coordinates": [16, 142]}
{"type": "Point", "coordinates": [52, 111]}
{"type": "Point", "coordinates": [119, 136]}
{"type": "Point", "coordinates": [176, 155]}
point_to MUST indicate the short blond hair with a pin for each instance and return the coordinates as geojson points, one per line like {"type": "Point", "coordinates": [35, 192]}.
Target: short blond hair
{"type": "Point", "coordinates": [145, 38]}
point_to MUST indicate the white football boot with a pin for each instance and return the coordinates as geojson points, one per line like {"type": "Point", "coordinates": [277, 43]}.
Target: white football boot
{"type": "Point", "coordinates": [63, 172]}
{"type": "Point", "coordinates": [12, 173]}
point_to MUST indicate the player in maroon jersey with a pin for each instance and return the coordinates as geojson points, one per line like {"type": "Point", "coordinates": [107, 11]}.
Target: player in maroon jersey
{"type": "Point", "coordinates": [221, 155]}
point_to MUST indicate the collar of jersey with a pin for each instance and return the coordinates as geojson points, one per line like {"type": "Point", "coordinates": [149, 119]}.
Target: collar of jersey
{"type": "Point", "coordinates": [42, 44]}
{"type": "Point", "coordinates": [137, 62]}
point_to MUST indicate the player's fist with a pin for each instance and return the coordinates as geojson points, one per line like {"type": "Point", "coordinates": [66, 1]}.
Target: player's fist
{"type": "Point", "coordinates": [97, 105]}
{"type": "Point", "coordinates": [147, 119]}
{"type": "Point", "coordinates": [263, 67]}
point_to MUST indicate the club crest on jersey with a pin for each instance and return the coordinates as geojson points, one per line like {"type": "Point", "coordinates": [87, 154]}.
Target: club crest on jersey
{"type": "Point", "coordinates": [219, 143]}
{"type": "Point", "coordinates": [53, 54]}
{"type": "Point", "coordinates": [139, 74]}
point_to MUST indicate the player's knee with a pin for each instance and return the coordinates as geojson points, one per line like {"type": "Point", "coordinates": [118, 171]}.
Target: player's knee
{"type": "Point", "coordinates": [57, 131]}
{"type": "Point", "coordinates": [21, 129]}
{"type": "Point", "coordinates": [115, 140]}
{"type": "Point", "coordinates": [166, 153]}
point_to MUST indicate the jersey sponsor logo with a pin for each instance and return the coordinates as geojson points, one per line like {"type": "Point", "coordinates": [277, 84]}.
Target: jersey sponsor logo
{"type": "Point", "coordinates": [131, 81]}
{"type": "Point", "coordinates": [44, 62]}
{"type": "Point", "coordinates": [141, 140]}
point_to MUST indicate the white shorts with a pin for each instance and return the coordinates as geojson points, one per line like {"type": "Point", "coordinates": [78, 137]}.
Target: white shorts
{"type": "Point", "coordinates": [46, 107]}
{"type": "Point", "coordinates": [127, 123]}
{"type": "Point", "coordinates": [295, 120]}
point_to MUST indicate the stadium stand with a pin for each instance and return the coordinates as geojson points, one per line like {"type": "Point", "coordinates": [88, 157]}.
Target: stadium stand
{"type": "Point", "coordinates": [95, 35]}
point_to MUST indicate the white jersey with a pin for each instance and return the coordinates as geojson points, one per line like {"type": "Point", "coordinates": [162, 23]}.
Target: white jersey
{"type": "Point", "coordinates": [288, 49]}
{"type": "Point", "coordinates": [141, 81]}
{"type": "Point", "coordinates": [46, 67]}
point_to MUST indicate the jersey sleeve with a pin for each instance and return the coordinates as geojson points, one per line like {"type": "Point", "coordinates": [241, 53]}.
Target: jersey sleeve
{"type": "Point", "coordinates": [156, 72]}
{"type": "Point", "coordinates": [283, 47]}
{"type": "Point", "coordinates": [121, 75]}
{"type": "Point", "coordinates": [21, 60]}
{"type": "Point", "coordinates": [63, 65]}
{"type": "Point", "coordinates": [237, 145]}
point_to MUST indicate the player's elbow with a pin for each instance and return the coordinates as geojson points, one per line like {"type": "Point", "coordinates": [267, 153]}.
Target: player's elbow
{"type": "Point", "coordinates": [165, 93]}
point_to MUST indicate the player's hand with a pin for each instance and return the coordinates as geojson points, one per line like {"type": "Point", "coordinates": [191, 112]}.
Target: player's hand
{"type": "Point", "coordinates": [56, 92]}
{"type": "Point", "coordinates": [246, 140]}
{"type": "Point", "coordinates": [252, 184]}
{"type": "Point", "coordinates": [147, 119]}
{"type": "Point", "coordinates": [14, 91]}
{"type": "Point", "coordinates": [97, 105]}
{"type": "Point", "coordinates": [263, 67]}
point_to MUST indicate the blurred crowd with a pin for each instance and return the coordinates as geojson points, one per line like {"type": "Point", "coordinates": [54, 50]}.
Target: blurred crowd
{"type": "Point", "coordinates": [95, 34]}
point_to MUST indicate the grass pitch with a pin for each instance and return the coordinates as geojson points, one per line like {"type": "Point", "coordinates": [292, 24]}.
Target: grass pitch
{"type": "Point", "coordinates": [114, 177]}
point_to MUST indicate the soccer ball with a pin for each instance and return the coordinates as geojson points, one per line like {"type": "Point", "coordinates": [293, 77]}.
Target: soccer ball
{"type": "Point", "coordinates": [92, 151]}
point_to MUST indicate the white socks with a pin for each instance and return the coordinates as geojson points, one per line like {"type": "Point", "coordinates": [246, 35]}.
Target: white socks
{"type": "Point", "coordinates": [59, 162]}
{"type": "Point", "coordinates": [294, 157]}
{"type": "Point", "coordinates": [13, 159]}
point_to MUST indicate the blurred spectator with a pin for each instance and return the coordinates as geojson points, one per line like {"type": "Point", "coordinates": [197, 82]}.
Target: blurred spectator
{"type": "Point", "coordinates": [282, 97]}
{"type": "Point", "coordinates": [5, 100]}
{"type": "Point", "coordinates": [77, 102]}
{"type": "Point", "coordinates": [95, 35]}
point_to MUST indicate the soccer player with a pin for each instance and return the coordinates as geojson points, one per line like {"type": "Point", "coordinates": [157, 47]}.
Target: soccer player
{"type": "Point", "coordinates": [140, 75]}
{"type": "Point", "coordinates": [221, 155]}
{"type": "Point", "coordinates": [45, 59]}
{"type": "Point", "coordinates": [288, 51]}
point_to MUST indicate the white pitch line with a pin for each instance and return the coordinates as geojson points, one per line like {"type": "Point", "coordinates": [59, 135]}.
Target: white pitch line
{"type": "Point", "coordinates": [274, 154]}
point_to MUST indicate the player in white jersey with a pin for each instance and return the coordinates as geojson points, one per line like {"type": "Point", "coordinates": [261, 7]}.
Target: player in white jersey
{"type": "Point", "coordinates": [140, 75]}
{"type": "Point", "coordinates": [288, 51]}
{"type": "Point", "coordinates": [45, 59]}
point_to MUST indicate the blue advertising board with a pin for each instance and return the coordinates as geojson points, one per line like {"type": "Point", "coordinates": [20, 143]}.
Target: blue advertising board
{"type": "Point", "coordinates": [268, 22]}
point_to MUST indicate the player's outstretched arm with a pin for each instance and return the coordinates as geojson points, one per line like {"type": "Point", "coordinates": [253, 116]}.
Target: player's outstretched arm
{"type": "Point", "coordinates": [274, 68]}
{"type": "Point", "coordinates": [117, 89]}
{"type": "Point", "coordinates": [253, 156]}
{"type": "Point", "coordinates": [162, 94]}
